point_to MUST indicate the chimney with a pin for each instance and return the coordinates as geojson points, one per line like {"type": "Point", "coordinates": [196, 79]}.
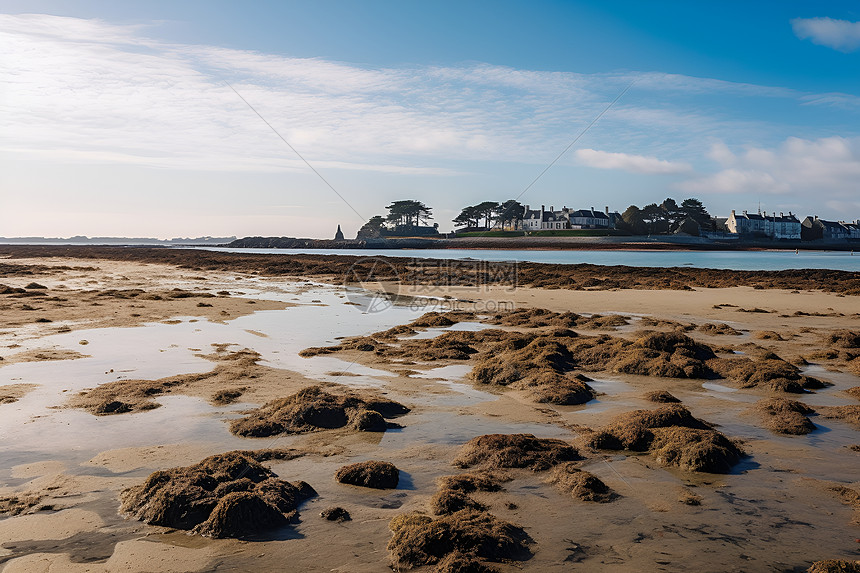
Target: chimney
{"type": "Point", "coordinates": [551, 208]}
{"type": "Point", "coordinates": [745, 211]}
{"type": "Point", "coordinates": [527, 208]}
{"type": "Point", "coordinates": [780, 215]}
{"type": "Point", "coordinates": [733, 212]}
{"type": "Point", "coordinates": [542, 208]}
{"type": "Point", "coordinates": [816, 217]}
{"type": "Point", "coordinates": [606, 209]}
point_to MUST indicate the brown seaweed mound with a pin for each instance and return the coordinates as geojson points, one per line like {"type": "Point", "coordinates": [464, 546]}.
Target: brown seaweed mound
{"type": "Point", "coordinates": [540, 317]}
{"type": "Point", "coordinates": [395, 332]}
{"type": "Point", "coordinates": [661, 354]}
{"type": "Point", "coordinates": [718, 329]}
{"type": "Point", "coordinates": [661, 397]}
{"type": "Point", "coordinates": [452, 345]}
{"type": "Point", "coordinates": [834, 566]}
{"type": "Point", "coordinates": [239, 513]}
{"type": "Point", "coordinates": [632, 430]}
{"type": "Point", "coordinates": [452, 495]}
{"type": "Point", "coordinates": [457, 562]}
{"type": "Point", "coordinates": [844, 339]}
{"type": "Point", "coordinates": [226, 495]}
{"type": "Point", "coordinates": [433, 319]}
{"type": "Point", "coordinates": [535, 318]}
{"type": "Point", "coordinates": [673, 436]}
{"type": "Point", "coordinates": [695, 450]}
{"type": "Point", "coordinates": [849, 414]}
{"type": "Point", "coordinates": [768, 371]}
{"type": "Point", "coordinates": [784, 416]}
{"type": "Point", "coordinates": [580, 484]}
{"type": "Point", "coordinates": [373, 474]}
{"type": "Point", "coordinates": [536, 363]}
{"type": "Point", "coordinates": [313, 408]}
{"type": "Point", "coordinates": [338, 514]}
{"type": "Point", "coordinates": [421, 540]}
{"type": "Point", "coordinates": [448, 501]}
{"type": "Point", "coordinates": [470, 482]}
{"type": "Point", "coordinates": [500, 451]}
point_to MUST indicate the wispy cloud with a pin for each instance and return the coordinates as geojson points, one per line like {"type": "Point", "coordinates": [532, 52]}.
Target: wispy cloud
{"type": "Point", "coordinates": [632, 163]}
{"type": "Point", "coordinates": [841, 35]}
{"type": "Point", "coordinates": [821, 171]}
{"type": "Point", "coordinates": [90, 91]}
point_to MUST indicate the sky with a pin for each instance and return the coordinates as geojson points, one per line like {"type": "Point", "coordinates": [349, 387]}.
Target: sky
{"type": "Point", "coordinates": [192, 118]}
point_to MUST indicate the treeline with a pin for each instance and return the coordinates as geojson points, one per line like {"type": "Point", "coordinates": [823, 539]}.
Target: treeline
{"type": "Point", "coordinates": [402, 215]}
{"type": "Point", "coordinates": [689, 217]}
{"type": "Point", "coordinates": [412, 217]}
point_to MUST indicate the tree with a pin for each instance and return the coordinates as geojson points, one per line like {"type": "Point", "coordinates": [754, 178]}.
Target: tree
{"type": "Point", "coordinates": [695, 210]}
{"type": "Point", "coordinates": [655, 216]}
{"type": "Point", "coordinates": [372, 229]}
{"type": "Point", "coordinates": [410, 213]}
{"type": "Point", "coordinates": [672, 213]}
{"type": "Point", "coordinates": [511, 211]}
{"type": "Point", "coordinates": [632, 220]}
{"type": "Point", "coordinates": [486, 210]}
{"type": "Point", "coordinates": [468, 217]}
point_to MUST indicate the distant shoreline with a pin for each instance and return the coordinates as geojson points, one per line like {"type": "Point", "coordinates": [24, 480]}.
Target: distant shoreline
{"type": "Point", "coordinates": [416, 270]}
{"type": "Point", "coordinates": [643, 243]}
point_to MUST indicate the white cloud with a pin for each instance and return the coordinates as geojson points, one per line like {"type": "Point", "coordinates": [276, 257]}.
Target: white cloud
{"type": "Point", "coordinates": [821, 171]}
{"type": "Point", "coordinates": [86, 90]}
{"type": "Point", "coordinates": [840, 35]}
{"type": "Point", "coordinates": [632, 163]}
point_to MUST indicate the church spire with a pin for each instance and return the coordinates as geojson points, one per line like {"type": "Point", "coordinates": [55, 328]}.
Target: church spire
{"type": "Point", "coordinates": [338, 236]}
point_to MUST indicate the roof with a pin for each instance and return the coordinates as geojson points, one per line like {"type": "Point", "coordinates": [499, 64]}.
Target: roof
{"type": "Point", "coordinates": [832, 225]}
{"type": "Point", "coordinates": [589, 213]}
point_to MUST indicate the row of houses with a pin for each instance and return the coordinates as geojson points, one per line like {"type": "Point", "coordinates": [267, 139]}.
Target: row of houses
{"type": "Point", "coordinates": [784, 226]}
{"type": "Point", "coordinates": [544, 220]}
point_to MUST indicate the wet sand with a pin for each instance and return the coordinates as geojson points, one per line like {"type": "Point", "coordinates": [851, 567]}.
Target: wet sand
{"type": "Point", "coordinates": [777, 510]}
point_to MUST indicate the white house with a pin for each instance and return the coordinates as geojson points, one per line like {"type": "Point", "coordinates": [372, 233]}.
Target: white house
{"type": "Point", "coordinates": [764, 225]}
{"type": "Point", "coordinates": [544, 220]}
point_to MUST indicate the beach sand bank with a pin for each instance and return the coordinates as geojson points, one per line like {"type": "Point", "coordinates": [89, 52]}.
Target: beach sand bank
{"type": "Point", "coordinates": [787, 503]}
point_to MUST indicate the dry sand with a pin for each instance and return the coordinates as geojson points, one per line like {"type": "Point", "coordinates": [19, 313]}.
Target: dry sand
{"type": "Point", "coordinates": [786, 505]}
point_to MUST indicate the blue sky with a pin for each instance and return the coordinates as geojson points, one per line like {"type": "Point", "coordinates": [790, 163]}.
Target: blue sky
{"type": "Point", "coordinates": [120, 120]}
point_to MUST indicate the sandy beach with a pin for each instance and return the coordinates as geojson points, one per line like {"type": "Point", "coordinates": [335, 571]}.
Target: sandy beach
{"type": "Point", "coordinates": [702, 422]}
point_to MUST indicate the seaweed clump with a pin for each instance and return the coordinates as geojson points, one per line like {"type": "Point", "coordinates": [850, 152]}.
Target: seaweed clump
{"type": "Point", "coordinates": [849, 414]}
{"type": "Point", "coordinates": [504, 451]}
{"type": "Point", "coordinates": [453, 493]}
{"type": "Point", "coordinates": [661, 397]}
{"type": "Point", "coordinates": [225, 495]}
{"type": "Point", "coordinates": [718, 329]}
{"type": "Point", "coordinates": [673, 436]}
{"type": "Point", "coordinates": [541, 317]}
{"type": "Point", "coordinates": [536, 363]}
{"type": "Point", "coordinates": [337, 514]}
{"type": "Point", "coordinates": [373, 474]}
{"type": "Point", "coordinates": [456, 542]}
{"type": "Point", "coordinates": [313, 408]}
{"type": "Point", "coordinates": [661, 354]}
{"type": "Point", "coordinates": [784, 416]}
{"type": "Point", "coordinates": [581, 484]}
{"type": "Point", "coordinates": [834, 566]}
{"type": "Point", "coordinates": [769, 371]}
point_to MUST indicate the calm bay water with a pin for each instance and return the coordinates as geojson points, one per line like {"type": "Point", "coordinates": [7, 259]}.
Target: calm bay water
{"type": "Point", "coordinates": [733, 260]}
